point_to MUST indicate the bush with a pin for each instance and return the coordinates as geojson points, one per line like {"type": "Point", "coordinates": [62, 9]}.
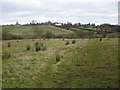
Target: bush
{"type": "Point", "coordinates": [36, 43]}
{"type": "Point", "coordinates": [9, 44]}
{"type": "Point", "coordinates": [40, 46]}
{"type": "Point", "coordinates": [6, 55]}
{"type": "Point", "coordinates": [73, 42]}
{"type": "Point", "coordinates": [67, 42]}
{"type": "Point", "coordinates": [57, 57]}
{"type": "Point", "coordinates": [100, 39]}
{"type": "Point", "coordinates": [28, 47]}
{"type": "Point", "coordinates": [37, 46]}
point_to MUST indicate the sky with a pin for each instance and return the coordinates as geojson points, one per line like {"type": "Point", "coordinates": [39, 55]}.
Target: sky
{"type": "Point", "coordinates": [83, 11]}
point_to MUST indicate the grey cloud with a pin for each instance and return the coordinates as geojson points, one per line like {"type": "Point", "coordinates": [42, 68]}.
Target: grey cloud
{"type": "Point", "coordinates": [73, 11]}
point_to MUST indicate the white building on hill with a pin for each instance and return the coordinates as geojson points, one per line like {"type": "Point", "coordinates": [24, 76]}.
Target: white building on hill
{"type": "Point", "coordinates": [58, 24]}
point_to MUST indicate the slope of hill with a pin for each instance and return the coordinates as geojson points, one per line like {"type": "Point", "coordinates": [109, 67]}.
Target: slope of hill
{"type": "Point", "coordinates": [29, 31]}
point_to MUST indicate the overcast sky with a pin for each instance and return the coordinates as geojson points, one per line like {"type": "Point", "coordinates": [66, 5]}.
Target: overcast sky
{"type": "Point", "coordinates": [83, 11]}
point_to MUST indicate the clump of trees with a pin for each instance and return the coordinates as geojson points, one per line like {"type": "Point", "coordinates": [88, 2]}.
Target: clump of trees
{"type": "Point", "coordinates": [6, 35]}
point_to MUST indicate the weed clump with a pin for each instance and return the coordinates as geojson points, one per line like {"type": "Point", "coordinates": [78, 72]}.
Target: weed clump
{"type": "Point", "coordinates": [40, 46]}
{"type": "Point", "coordinates": [58, 57]}
{"type": "Point", "coordinates": [28, 47]}
{"type": "Point", "coordinates": [100, 39]}
{"type": "Point", "coordinates": [9, 44]}
{"type": "Point", "coordinates": [6, 55]}
{"type": "Point", "coordinates": [67, 42]}
{"type": "Point", "coordinates": [73, 42]}
{"type": "Point", "coordinates": [37, 46]}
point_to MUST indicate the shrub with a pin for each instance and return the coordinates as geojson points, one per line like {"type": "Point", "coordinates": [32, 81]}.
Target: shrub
{"type": "Point", "coordinates": [9, 44]}
{"type": "Point", "coordinates": [67, 42]}
{"type": "Point", "coordinates": [28, 47]}
{"type": "Point", "coordinates": [57, 57]}
{"type": "Point", "coordinates": [37, 48]}
{"type": "Point", "coordinates": [36, 43]}
{"type": "Point", "coordinates": [73, 42]}
{"type": "Point", "coordinates": [100, 39]}
{"type": "Point", "coordinates": [6, 55]}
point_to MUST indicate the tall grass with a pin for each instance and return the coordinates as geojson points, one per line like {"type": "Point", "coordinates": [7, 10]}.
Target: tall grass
{"type": "Point", "coordinates": [28, 47]}
{"type": "Point", "coordinates": [9, 44]}
{"type": "Point", "coordinates": [58, 58]}
{"type": "Point", "coordinates": [6, 55]}
{"type": "Point", "coordinates": [37, 46]}
{"type": "Point", "coordinates": [67, 42]}
{"type": "Point", "coordinates": [40, 46]}
{"type": "Point", "coordinates": [73, 42]}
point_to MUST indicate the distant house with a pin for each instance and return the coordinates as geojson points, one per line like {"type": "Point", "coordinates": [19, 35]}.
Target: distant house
{"type": "Point", "coordinates": [58, 24]}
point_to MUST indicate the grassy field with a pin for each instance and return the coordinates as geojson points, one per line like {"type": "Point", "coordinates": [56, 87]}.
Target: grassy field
{"type": "Point", "coordinates": [85, 64]}
{"type": "Point", "coordinates": [27, 31]}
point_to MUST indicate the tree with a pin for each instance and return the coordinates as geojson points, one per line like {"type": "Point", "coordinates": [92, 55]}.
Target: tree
{"type": "Point", "coordinates": [104, 34]}
{"type": "Point", "coordinates": [88, 24]}
{"type": "Point", "coordinates": [93, 24]}
{"type": "Point", "coordinates": [17, 23]}
{"type": "Point", "coordinates": [33, 22]}
{"type": "Point", "coordinates": [104, 29]}
{"type": "Point", "coordinates": [69, 24]}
